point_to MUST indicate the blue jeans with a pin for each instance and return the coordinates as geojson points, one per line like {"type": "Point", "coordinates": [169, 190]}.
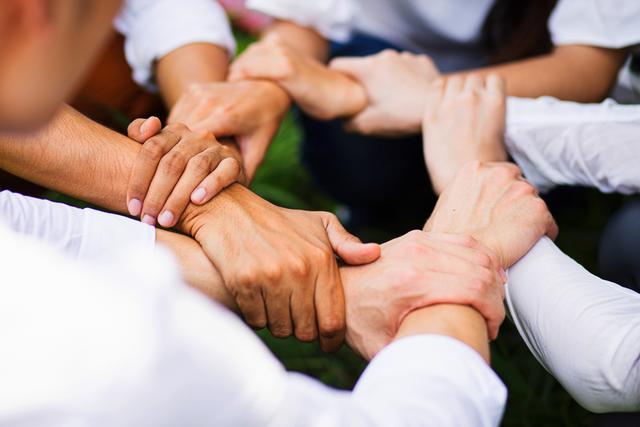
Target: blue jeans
{"type": "Point", "coordinates": [383, 182]}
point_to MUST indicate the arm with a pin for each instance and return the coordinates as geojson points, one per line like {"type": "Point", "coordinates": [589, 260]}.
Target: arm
{"type": "Point", "coordinates": [92, 236]}
{"type": "Point", "coordinates": [562, 143]}
{"type": "Point", "coordinates": [585, 331]}
{"type": "Point", "coordinates": [577, 73]}
{"type": "Point", "coordinates": [174, 44]}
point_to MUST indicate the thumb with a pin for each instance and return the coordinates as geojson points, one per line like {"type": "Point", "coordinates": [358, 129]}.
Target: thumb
{"type": "Point", "coordinates": [350, 66]}
{"type": "Point", "coordinates": [142, 129]}
{"type": "Point", "coordinates": [347, 246]}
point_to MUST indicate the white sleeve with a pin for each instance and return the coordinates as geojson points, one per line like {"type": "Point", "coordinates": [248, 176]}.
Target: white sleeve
{"type": "Point", "coordinates": [154, 28]}
{"type": "Point", "coordinates": [333, 19]}
{"type": "Point", "coordinates": [123, 343]}
{"type": "Point", "coordinates": [565, 143]}
{"type": "Point", "coordinates": [85, 234]}
{"type": "Point", "coordinates": [585, 331]}
{"type": "Point", "coordinates": [603, 23]}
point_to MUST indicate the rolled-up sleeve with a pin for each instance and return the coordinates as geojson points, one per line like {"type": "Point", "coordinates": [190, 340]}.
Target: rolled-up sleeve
{"type": "Point", "coordinates": [333, 19]}
{"type": "Point", "coordinates": [154, 28]}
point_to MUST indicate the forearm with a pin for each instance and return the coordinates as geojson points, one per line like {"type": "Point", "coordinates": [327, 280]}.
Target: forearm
{"type": "Point", "coordinates": [584, 330]}
{"type": "Point", "coordinates": [197, 270]}
{"type": "Point", "coordinates": [462, 323]}
{"type": "Point", "coordinates": [564, 143]}
{"type": "Point", "coordinates": [188, 65]}
{"type": "Point", "coordinates": [304, 40]}
{"type": "Point", "coordinates": [578, 73]}
{"type": "Point", "coordinates": [75, 156]}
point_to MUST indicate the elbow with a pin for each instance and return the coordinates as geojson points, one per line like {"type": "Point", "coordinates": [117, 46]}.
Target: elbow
{"type": "Point", "coordinates": [614, 387]}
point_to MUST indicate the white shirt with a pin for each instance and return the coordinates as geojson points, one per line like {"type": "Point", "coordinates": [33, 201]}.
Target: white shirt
{"type": "Point", "coordinates": [83, 234]}
{"type": "Point", "coordinates": [122, 342]}
{"type": "Point", "coordinates": [154, 28]}
{"type": "Point", "coordinates": [435, 26]}
{"type": "Point", "coordinates": [566, 143]}
{"type": "Point", "coordinates": [585, 331]}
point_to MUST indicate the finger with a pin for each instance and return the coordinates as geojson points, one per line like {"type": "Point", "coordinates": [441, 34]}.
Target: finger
{"type": "Point", "coordinates": [330, 307]}
{"type": "Point", "coordinates": [495, 85]}
{"type": "Point", "coordinates": [552, 228]}
{"type": "Point", "coordinates": [252, 306]}
{"type": "Point", "coordinates": [227, 172]}
{"type": "Point", "coordinates": [253, 149]}
{"type": "Point", "coordinates": [142, 129]}
{"type": "Point", "coordinates": [351, 66]}
{"type": "Point", "coordinates": [303, 314]}
{"type": "Point", "coordinates": [278, 311]}
{"type": "Point", "coordinates": [192, 185]}
{"type": "Point", "coordinates": [453, 87]}
{"type": "Point", "coordinates": [145, 166]}
{"type": "Point", "coordinates": [171, 169]}
{"type": "Point", "coordinates": [472, 84]}
{"type": "Point", "coordinates": [347, 246]}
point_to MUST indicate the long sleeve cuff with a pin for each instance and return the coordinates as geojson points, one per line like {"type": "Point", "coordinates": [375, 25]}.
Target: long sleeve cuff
{"type": "Point", "coordinates": [410, 372]}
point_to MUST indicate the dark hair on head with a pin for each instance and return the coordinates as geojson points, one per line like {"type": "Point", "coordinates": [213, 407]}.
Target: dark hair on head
{"type": "Point", "coordinates": [517, 29]}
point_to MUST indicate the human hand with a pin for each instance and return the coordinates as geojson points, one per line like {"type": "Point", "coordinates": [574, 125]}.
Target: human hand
{"type": "Point", "coordinates": [495, 205]}
{"type": "Point", "coordinates": [279, 264]}
{"type": "Point", "coordinates": [250, 111]}
{"type": "Point", "coordinates": [464, 120]}
{"type": "Point", "coordinates": [396, 85]}
{"type": "Point", "coordinates": [175, 167]}
{"type": "Point", "coordinates": [415, 271]}
{"type": "Point", "coordinates": [320, 92]}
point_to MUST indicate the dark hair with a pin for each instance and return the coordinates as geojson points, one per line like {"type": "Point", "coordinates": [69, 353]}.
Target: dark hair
{"type": "Point", "coordinates": [517, 29]}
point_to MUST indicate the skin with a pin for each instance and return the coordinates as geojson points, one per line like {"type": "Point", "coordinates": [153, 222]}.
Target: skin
{"type": "Point", "coordinates": [464, 120]}
{"type": "Point", "coordinates": [559, 73]}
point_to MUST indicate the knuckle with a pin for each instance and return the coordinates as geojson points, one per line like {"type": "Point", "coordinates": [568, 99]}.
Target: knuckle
{"type": "Point", "coordinates": [300, 267]}
{"type": "Point", "coordinates": [177, 128]}
{"type": "Point", "coordinates": [199, 164]}
{"type": "Point", "coordinates": [306, 334]}
{"type": "Point", "coordinates": [273, 273]}
{"type": "Point", "coordinates": [280, 329]}
{"type": "Point", "coordinates": [153, 149]}
{"type": "Point", "coordinates": [174, 162]}
{"type": "Point", "coordinates": [331, 325]}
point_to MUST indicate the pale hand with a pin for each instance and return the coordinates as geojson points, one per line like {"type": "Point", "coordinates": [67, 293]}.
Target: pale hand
{"type": "Point", "coordinates": [464, 120]}
{"type": "Point", "coordinates": [396, 85]}
{"type": "Point", "coordinates": [415, 271]}
{"type": "Point", "coordinates": [495, 205]}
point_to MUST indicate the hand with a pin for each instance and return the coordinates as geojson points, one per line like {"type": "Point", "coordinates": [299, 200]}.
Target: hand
{"type": "Point", "coordinates": [396, 86]}
{"type": "Point", "coordinates": [464, 120]}
{"type": "Point", "coordinates": [175, 167]}
{"type": "Point", "coordinates": [415, 271]}
{"type": "Point", "coordinates": [279, 264]}
{"type": "Point", "coordinates": [251, 112]}
{"type": "Point", "coordinates": [320, 92]}
{"type": "Point", "coordinates": [495, 205]}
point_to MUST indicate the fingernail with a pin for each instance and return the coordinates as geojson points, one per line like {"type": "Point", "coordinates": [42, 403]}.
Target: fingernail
{"type": "Point", "coordinates": [144, 127]}
{"type": "Point", "coordinates": [148, 219]}
{"type": "Point", "coordinates": [135, 207]}
{"type": "Point", "coordinates": [165, 219]}
{"type": "Point", "coordinates": [198, 195]}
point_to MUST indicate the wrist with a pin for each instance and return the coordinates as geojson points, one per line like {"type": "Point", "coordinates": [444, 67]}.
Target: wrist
{"type": "Point", "coordinates": [195, 217]}
{"type": "Point", "coordinates": [459, 322]}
